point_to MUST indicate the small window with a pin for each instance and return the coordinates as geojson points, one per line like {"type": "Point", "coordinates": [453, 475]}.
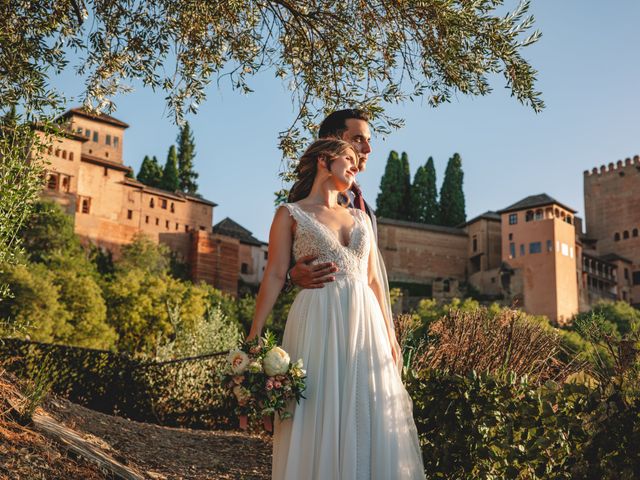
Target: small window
{"type": "Point", "coordinates": [634, 232]}
{"type": "Point", "coordinates": [626, 274]}
{"type": "Point", "coordinates": [539, 214]}
{"type": "Point", "coordinates": [50, 150]}
{"type": "Point", "coordinates": [535, 247]}
{"type": "Point", "coordinates": [513, 219]}
{"type": "Point", "coordinates": [157, 221]}
{"type": "Point", "coordinates": [528, 216]}
{"type": "Point", "coordinates": [106, 154]}
{"type": "Point", "coordinates": [86, 205]}
{"type": "Point", "coordinates": [564, 249]}
{"type": "Point", "coordinates": [116, 141]}
{"type": "Point", "coordinates": [173, 208]}
{"type": "Point", "coordinates": [107, 139]}
{"type": "Point", "coordinates": [151, 203]}
{"type": "Point", "coordinates": [57, 152]}
{"type": "Point", "coordinates": [186, 228]}
{"type": "Point", "coordinates": [106, 172]}
{"type": "Point", "coordinates": [244, 268]}
{"type": "Point", "coordinates": [177, 226]}
{"type": "Point", "coordinates": [511, 236]}
{"type": "Point", "coordinates": [65, 184]}
{"type": "Point", "coordinates": [636, 278]}
{"type": "Point", "coordinates": [569, 219]}
{"type": "Point", "coordinates": [87, 133]}
{"type": "Point", "coordinates": [549, 246]}
{"type": "Point", "coordinates": [71, 156]}
{"type": "Point", "coordinates": [266, 255]}
{"type": "Point", "coordinates": [512, 250]}
{"type": "Point", "coordinates": [475, 243]}
{"type": "Point", "coordinates": [64, 154]}
{"type": "Point", "coordinates": [522, 249]}
{"type": "Point", "coordinates": [166, 224]}
{"type": "Point", "coordinates": [625, 234]}
{"type": "Point", "coordinates": [146, 219]}
{"type": "Point", "coordinates": [202, 228]}
{"type": "Point", "coordinates": [79, 130]}
{"type": "Point", "coordinates": [95, 137]}
{"type": "Point", "coordinates": [129, 214]}
{"type": "Point", "coordinates": [163, 203]}
{"type": "Point", "coordinates": [616, 236]}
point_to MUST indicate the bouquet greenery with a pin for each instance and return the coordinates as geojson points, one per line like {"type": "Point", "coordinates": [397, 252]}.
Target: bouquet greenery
{"type": "Point", "coordinates": [261, 380]}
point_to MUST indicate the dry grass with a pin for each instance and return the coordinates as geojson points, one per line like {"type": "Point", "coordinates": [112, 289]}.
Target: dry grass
{"type": "Point", "coordinates": [25, 454]}
{"type": "Point", "coordinates": [465, 341]}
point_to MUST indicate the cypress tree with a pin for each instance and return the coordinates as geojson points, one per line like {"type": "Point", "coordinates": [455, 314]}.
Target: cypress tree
{"type": "Point", "coordinates": [424, 195]}
{"type": "Point", "coordinates": [452, 208]}
{"type": "Point", "coordinates": [389, 202]}
{"type": "Point", "coordinates": [170, 178]}
{"type": "Point", "coordinates": [150, 172]}
{"type": "Point", "coordinates": [406, 187]}
{"type": "Point", "coordinates": [186, 154]}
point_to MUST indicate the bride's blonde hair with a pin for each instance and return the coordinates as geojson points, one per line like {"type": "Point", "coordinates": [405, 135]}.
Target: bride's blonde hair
{"type": "Point", "coordinates": [326, 148]}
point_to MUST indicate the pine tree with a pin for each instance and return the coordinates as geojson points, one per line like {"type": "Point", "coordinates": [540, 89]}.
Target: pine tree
{"type": "Point", "coordinates": [390, 200]}
{"type": "Point", "coordinates": [406, 187]}
{"type": "Point", "coordinates": [150, 172]}
{"type": "Point", "coordinates": [170, 178]}
{"type": "Point", "coordinates": [186, 154]}
{"type": "Point", "coordinates": [452, 208]}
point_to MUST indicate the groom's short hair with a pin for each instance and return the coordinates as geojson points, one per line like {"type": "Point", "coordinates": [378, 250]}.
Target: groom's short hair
{"type": "Point", "coordinates": [336, 123]}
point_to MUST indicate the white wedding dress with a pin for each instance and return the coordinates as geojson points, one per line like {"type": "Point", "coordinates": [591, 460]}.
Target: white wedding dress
{"type": "Point", "coordinates": [356, 422]}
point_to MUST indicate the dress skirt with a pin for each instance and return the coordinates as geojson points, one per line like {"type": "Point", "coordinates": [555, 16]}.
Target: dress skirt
{"type": "Point", "coordinates": [356, 422]}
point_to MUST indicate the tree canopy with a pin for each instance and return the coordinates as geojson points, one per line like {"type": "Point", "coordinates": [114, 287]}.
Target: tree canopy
{"type": "Point", "coordinates": [430, 49]}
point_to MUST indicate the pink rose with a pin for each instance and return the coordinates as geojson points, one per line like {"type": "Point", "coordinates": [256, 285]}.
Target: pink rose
{"type": "Point", "coordinates": [277, 384]}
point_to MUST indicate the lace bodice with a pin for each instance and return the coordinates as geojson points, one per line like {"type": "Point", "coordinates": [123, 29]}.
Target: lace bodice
{"type": "Point", "coordinates": [314, 238]}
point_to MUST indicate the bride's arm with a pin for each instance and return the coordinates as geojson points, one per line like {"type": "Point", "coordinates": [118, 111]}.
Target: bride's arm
{"type": "Point", "coordinates": [280, 239]}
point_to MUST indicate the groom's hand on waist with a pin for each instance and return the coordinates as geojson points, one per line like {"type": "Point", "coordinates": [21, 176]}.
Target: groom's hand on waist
{"type": "Point", "coordinates": [304, 274]}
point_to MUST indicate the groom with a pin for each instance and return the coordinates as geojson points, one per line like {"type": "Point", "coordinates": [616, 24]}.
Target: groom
{"type": "Point", "coordinates": [350, 125]}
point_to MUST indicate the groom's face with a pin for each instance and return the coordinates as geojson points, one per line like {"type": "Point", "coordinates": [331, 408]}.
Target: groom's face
{"type": "Point", "coordinates": [358, 135]}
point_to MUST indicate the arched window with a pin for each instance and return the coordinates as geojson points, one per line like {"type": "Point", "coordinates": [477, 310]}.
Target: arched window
{"type": "Point", "coordinates": [70, 155]}
{"type": "Point", "coordinates": [616, 236]}
{"type": "Point", "coordinates": [151, 203]}
{"type": "Point", "coordinates": [64, 154]}
{"type": "Point", "coordinates": [569, 219]}
{"type": "Point", "coordinates": [528, 216]}
{"type": "Point", "coordinates": [57, 152]}
{"type": "Point", "coordinates": [625, 234]}
{"type": "Point", "coordinates": [173, 208]}
{"type": "Point", "coordinates": [539, 214]}
{"type": "Point", "coordinates": [634, 232]}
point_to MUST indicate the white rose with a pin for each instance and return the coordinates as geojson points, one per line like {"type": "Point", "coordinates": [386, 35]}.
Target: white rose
{"type": "Point", "coordinates": [238, 360]}
{"type": "Point", "coordinates": [276, 362]}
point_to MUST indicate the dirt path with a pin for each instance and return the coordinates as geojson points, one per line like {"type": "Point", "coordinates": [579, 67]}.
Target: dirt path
{"type": "Point", "coordinates": [170, 453]}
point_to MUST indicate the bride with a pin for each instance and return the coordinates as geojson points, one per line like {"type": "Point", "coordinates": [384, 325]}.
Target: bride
{"type": "Point", "coordinates": [356, 420]}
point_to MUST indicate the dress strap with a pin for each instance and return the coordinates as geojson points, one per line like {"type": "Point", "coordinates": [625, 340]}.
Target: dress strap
{"type": "Point", "coordinates": [297, 213]}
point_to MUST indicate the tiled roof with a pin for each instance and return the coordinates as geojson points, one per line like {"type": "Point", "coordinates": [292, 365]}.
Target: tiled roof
{"type": "Point", "coordinates": [233, 229]}
{"type": "Point", "coordinates": [488, 215]}
{"type": "Point", "coordinates": [103, 117]}
{"type": "Point", "coordinates": [533, 201]}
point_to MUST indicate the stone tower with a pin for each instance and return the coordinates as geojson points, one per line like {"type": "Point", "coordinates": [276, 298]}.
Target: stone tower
{"type": "Point", "coordinates": [538, 245]}
{"type": "Point", "coordinates": [612, 215]}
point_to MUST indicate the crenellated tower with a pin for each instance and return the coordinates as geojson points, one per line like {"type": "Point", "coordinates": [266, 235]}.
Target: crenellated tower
{"type": "Point", "coordinates": [612, 215]}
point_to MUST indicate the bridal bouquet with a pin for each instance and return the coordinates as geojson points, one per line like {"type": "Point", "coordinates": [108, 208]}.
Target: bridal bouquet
{"type": "Point", "coordinates": [261, 379]}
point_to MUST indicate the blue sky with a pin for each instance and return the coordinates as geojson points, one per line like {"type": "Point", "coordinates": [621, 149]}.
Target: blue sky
{"type": "Point", "coordinates": [588, 63]}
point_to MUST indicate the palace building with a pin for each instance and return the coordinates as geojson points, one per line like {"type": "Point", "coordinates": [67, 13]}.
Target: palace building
{"type": "Point", "coordinates": [87, 176]}
{"type": "Point", "coordinates": [533, 254]}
